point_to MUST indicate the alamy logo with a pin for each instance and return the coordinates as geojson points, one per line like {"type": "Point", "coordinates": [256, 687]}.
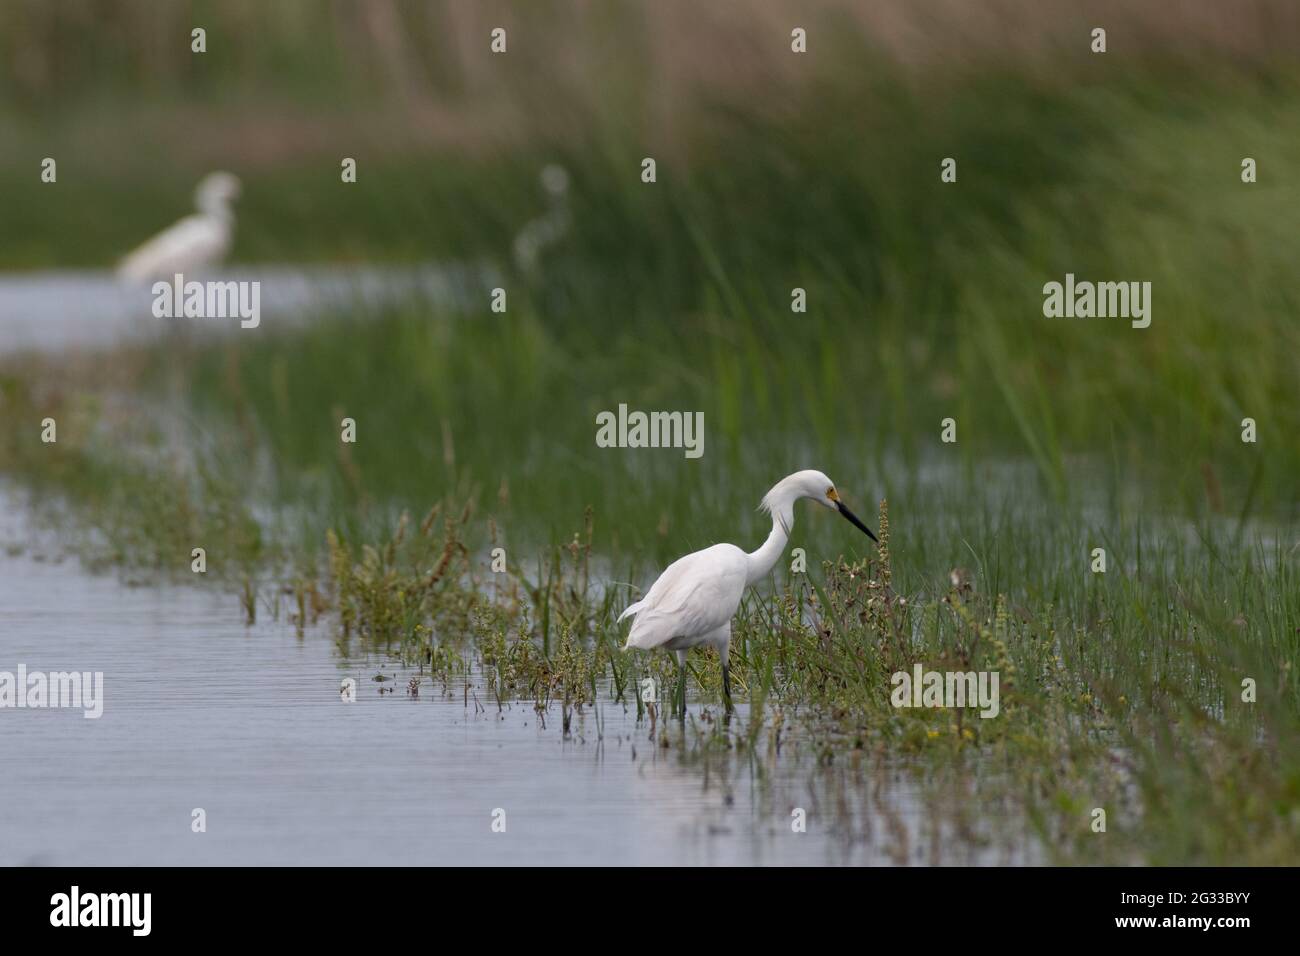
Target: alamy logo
{"type": "Point", "coordinates": [1084, 300]}
{"type": "Point", "coordinates": [37, 689]}
{"type": "Point", "coordinates": [208, 300]}
{"type": "Point", "coordinates": [924, 688]}
{"type": "Point", "coordinates": [102, 909]}
{"type": "Point", "coordinates": [651, 430]}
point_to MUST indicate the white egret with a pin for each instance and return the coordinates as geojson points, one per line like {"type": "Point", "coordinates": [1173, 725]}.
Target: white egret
{"type": "Point", "coordinates": [548, 229]}
{"type": "Point", "coordinates": [694, 600]}
{"type": "Point", "coordinates": [197, 242]}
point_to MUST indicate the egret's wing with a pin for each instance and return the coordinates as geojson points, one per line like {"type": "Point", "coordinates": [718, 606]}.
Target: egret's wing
{"type": "Point", "coordinates": [695, 595]}
{"type": "Point", "coordinates": [193, 242]}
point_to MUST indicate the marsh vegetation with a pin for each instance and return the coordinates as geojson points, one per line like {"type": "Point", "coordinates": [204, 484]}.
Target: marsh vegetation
{"type": "Point", "coordinates": [476, 430]}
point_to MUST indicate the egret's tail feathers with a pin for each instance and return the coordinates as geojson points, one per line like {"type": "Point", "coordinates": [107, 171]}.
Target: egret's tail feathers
{"type": "Point", "coordinates": [628, 612]}
{"type": "Point", "coordinates": [631, 609]}
{"type": "Point", "coordinates": [132, 269]}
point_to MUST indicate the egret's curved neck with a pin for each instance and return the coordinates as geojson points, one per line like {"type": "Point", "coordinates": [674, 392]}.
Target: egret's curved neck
{"type": "Point", "coordinates": [764, 559]}
{"type": "Point", "coordinates": [220, 211]}
{"type": "Point", "coordinates": [217, 207]}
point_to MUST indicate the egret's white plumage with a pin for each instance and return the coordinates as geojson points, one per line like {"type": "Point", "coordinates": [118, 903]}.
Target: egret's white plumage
{"type": "Point", "coordinates": [196, 242]}
{"type": "Point", "coordinates": [548, 229]}
{"type": "Point", "coordinates": [695, 598]}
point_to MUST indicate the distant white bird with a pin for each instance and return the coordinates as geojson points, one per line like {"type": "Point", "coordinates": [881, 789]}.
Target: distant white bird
{"type": "Point", "coordinates": [696, 597]}
{"type": "Point", "coordinates": [196, 242]}
{"type": "Point", "coordinates": [551, 226]}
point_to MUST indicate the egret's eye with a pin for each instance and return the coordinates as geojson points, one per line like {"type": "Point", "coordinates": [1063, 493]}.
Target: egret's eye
{"type": "Point", "coordinates": [832, 494]}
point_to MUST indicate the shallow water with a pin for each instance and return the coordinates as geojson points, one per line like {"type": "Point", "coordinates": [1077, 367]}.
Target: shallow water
{"type": "Point", "coordinates": [64, 311]}
{"type": "Point", "coordinates": [247, 723]}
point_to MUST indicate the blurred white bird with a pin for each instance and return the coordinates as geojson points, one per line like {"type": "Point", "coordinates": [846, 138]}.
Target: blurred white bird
{"type": "Point", "coordinates": [696, 597]}
{"type": "Point", "coordinates": [196, 242]}
{"type": "Point", "coordinates": [551, 226]}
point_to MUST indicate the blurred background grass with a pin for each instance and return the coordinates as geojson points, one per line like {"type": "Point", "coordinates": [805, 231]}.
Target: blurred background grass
{"type": "Point", "coordinates": [776, 171]}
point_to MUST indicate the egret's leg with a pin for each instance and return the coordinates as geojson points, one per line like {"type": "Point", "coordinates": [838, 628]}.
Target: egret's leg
{"type": "Point", "coordinates": [721, 641]}
{"type": "Point", "coordinates": [724, 651]}
{"type": "Point", "coordinates": [681, 683]}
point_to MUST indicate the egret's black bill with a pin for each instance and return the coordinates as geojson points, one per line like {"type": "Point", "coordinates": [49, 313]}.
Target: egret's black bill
{"type": "Point", "coordinates": [854, 518]}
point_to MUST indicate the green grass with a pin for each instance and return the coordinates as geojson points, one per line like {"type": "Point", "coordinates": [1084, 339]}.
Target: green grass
{"type": "Point", "coordinates": [924, 303]}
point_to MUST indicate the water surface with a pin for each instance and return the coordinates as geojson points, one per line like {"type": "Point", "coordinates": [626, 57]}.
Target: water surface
{"type": "Point", "coordinates": [247, 723]}
{"type": "Point", "coordinates": [88, 310]}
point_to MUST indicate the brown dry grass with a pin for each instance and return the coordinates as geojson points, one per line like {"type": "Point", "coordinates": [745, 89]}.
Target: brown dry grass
{"type": "Point", "coordinates": [408, 73]}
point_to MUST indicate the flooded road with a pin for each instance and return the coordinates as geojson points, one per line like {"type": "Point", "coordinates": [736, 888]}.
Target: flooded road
{"type": "Point", "coordinates": [247, 724]}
